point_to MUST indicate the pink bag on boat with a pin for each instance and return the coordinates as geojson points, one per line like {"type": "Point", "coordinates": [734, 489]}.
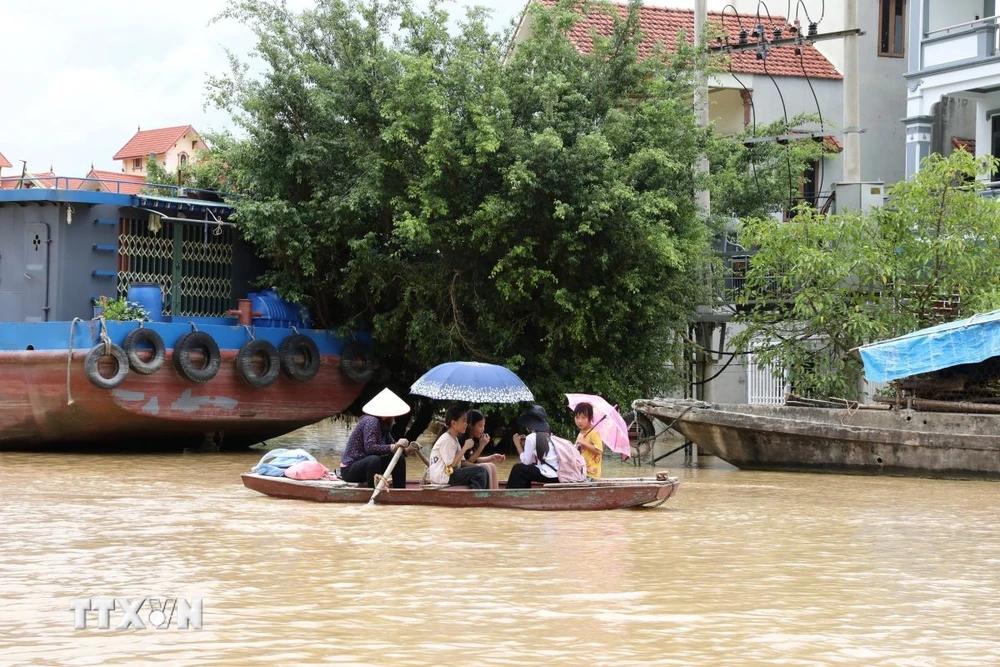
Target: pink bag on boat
{"type": "Point", "coordinates": [307, 470]}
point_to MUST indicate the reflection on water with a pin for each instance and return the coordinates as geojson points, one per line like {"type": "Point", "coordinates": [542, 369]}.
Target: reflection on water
{"type": "Point", "coordinates": [739, 568]}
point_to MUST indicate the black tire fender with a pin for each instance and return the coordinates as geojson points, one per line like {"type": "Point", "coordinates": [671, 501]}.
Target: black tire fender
{"type": "Point", "coordinates": [142, 336]}
{"type": "Point", "coordinates": [295, 345]}
{"type": "Point", "coordinates": [189, 342]}
{"type": "Point", "coordinates": [357, 363]}
{"type": "Point", "coordinates": [90, 366]}
{"type": "Point", "coordinates": [245, 365]}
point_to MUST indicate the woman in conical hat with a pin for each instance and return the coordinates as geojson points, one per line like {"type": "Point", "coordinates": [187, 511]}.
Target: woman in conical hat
{"type": "Point", "coordinates": [370, 445]}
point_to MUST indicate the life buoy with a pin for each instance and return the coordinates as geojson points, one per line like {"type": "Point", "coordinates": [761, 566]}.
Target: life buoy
{"type": "Point", "coordinates": [357, 362]}
{"type": "Point", "coordinates": [188, 343]}
{"type": "Point", "coordinates": [245, 363]}
{"type": "Point", "coordinates": [293, 347]}
{"type": "Point", "coordinates": [143, 338]}
{"type": "Point", "coordinates": [93, 358]}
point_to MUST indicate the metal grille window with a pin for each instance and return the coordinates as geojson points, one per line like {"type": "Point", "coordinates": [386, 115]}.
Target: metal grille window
{"type": "Point", "coordinates": [145, 257]}
{"type": "Point", "coordinates": [207, 270]}
{"type": "Point", "coordinates": [191, 262]}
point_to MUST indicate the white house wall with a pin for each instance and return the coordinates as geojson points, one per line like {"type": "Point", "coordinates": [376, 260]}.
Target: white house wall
{"type": "Point", "coordinates": [883, 95]}
{"type": "Point", "coordinates": [952, 12]}
{"type": "Point", "coordinates": [725, 108]}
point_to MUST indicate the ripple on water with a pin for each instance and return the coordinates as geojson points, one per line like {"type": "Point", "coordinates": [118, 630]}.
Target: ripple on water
{"type": "Point", "coordinates": [739, 568]}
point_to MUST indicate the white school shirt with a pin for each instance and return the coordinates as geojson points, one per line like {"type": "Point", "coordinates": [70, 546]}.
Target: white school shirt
{"type": "Point", "coordinates": [550, 466]}
{"type": "Point", "coordinates": [442, 454]}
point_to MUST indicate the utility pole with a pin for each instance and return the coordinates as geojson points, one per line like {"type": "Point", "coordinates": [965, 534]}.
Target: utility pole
{"type": "Point", "coordinates": [701, 103]}
{"type": "Point", "coordinates": [701, 193]}
{"type": "Point", "coordinates": [852, 107]}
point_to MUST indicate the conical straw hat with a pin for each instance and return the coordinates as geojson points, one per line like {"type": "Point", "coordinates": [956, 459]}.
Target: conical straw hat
{"type": "Point", "coordinates": [386, 404]}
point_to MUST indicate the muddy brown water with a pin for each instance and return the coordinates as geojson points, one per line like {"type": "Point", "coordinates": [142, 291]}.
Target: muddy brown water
{"type": "Point", "coordinates": [739, 568]}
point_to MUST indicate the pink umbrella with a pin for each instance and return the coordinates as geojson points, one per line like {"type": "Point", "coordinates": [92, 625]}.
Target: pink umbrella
{"type": "Point", "coordinates": [611, 426]}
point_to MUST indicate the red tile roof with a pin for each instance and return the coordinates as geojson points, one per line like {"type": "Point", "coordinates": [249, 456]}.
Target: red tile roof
{"type": "Point", "coordinates": [968, 145]}
{"type": "Point", "coordinates": [113, 181]}
{"type": "Point", "coordinates": [47, 180]}
{"type": "Point", "coordinates": [661, 25]}
{"type": "Point", "coordinates": [152, 141]}
{"type": "Point", "coordinates": [4, 162]}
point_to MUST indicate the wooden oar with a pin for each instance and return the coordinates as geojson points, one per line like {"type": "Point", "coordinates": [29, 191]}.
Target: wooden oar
{"type": "Point", "coordinates": [388, 472]}
{"type": "Point", "coordinates": [420, 453]}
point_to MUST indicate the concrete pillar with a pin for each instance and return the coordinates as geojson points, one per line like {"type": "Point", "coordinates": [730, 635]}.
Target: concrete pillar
{"type": "Point", "coordinates": [918, 141]}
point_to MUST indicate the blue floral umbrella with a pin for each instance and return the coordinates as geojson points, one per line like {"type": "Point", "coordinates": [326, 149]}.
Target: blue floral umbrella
{"type": "Point", "coordinates": [472, 381]}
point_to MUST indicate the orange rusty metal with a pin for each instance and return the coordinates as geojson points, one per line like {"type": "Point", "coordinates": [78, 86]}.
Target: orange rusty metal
{"type": "Point", "coordinates": [243, 312]}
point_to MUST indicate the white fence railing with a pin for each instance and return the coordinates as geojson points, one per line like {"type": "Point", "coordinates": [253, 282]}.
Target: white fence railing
{"type": "Point", "coordinates": [869, 389]}
{"type": "Point", "coordinates": [765, 383]}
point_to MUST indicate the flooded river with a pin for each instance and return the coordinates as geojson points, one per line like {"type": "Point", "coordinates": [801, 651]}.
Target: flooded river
{"type": "Point", "coordinates": [739, 568]}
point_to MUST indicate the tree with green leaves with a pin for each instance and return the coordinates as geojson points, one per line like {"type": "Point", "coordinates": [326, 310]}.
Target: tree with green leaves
{"type": "Point", "coordinates": [467, 198]}
{"type": "Point", "coordinates": [822, 285]}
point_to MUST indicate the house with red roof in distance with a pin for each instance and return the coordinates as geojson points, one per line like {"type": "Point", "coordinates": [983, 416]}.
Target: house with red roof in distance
{"type": "Point", "coordinates": [171, 147]}
{"type": "Point", "coordinates": [4, 162]}
{"type": "Point", "coordinates": [98, 180]}
{"type": "Point", "coordinates": [43, 180]}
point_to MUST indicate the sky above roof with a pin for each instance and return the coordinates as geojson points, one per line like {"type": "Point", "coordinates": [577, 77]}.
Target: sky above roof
{"type": "Point", "coordinates": [78, 78]}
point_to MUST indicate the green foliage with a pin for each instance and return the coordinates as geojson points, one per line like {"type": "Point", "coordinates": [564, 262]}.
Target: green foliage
{"type": "Point", "coordinates": [529, 207]}
{"type": "Point", "coordinates": [822, 285]}
{"type": "Point", "coordinates": [755, 180]}
{"type": "Point", "coordinates": [122, 309]}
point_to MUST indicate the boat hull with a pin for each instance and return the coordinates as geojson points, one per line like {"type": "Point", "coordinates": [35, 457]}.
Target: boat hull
{"type": "Point", "coordinates": [605, 495]}
{"type": "Point", "coordinates": [47, 400]}
{"type": "Point", "coordinates": [886, 442]}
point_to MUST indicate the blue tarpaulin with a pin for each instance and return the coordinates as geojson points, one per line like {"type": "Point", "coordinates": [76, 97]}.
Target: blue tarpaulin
{"type": "Point", "coordinates": [967, 341]}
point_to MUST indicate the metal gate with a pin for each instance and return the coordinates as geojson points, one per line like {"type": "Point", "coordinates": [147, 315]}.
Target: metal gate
{"type": "Point", "coordinates": [765, 383]}
{"type": "Point", "coordinates": [192, 262]}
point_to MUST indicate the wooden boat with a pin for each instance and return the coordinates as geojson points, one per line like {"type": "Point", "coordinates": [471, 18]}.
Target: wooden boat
{"type": "Point", "coordinates": [911, 433]}
{"type": "Point", "coordinates": [606, 494]}
{"type": "Point", "coordinates": [815, 439]}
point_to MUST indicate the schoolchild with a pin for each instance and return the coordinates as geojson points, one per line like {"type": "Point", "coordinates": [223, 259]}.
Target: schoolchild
{"type": "Point", "coordinates": [588, 440]}
{"type": "Point", "coordinates": [448, 457]}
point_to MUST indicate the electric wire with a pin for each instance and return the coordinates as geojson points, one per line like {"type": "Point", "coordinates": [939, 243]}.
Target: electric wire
{"type": "Point", "coordinates": [766, 11]}
{"type": "Point", "coordinates": [753, 132]}
{"type": "Point", "coordinates": [736, 13]}
{"type": "Point", "coordinates": [805, 10]}
{"type": "Point", "coordinates": [822, 125]}
{"type": "Point", "coordinates": [784, 110]}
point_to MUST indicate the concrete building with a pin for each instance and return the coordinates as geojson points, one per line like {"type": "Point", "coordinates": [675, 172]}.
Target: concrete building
{"type": "Point", "coordinates": [754, 90]}
{"type": "Point", "coordinates": [783, 83]}
{"type": "Point", "coordinates": [171, 147]}
{"type": "Point", "coordinates": [881, 60]}
{"type": "Point", "coordinates": [952, 80]}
